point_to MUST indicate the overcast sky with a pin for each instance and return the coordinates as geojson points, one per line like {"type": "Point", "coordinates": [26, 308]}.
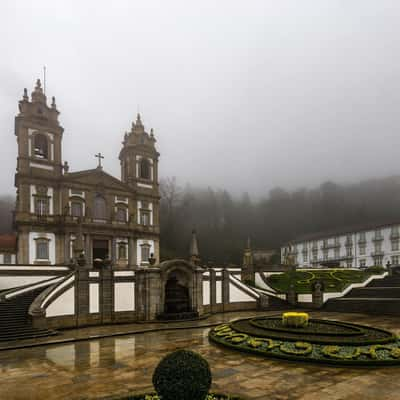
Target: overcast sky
{"type": "Point", "coordinates": [241, 95]}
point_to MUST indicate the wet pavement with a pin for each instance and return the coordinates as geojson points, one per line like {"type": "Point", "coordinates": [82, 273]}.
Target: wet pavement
{"type": "Point", "coordinates": [121, 365]}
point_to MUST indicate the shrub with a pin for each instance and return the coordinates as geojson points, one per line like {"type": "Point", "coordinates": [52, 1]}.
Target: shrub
{"type": "Point", "coordinates": [375, 270]}
{"type": "Point", "coordinates": [182, 375]}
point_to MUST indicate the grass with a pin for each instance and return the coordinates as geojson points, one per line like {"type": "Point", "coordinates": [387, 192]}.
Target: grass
{"type": "Point", "coordinates": [334, 280]}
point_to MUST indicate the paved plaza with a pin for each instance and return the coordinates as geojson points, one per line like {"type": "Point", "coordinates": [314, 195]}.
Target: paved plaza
{"type": "Point", "coordinates": [123, 364]}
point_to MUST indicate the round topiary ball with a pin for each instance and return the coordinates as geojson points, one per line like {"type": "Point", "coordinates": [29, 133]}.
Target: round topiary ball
{"type": "Point", "coordinates": [182, 375]}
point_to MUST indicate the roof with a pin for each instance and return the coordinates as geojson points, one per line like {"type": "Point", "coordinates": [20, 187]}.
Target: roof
{"type": "Point", "coordinates": [8, 242]}
{"type": "Point", "coordinates": [345, 230]}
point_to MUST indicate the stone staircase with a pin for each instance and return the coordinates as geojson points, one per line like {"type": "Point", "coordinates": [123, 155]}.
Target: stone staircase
{"type": "Point", "coordinates": [14, 319]}
{"type": "Point", "coordinates": [380, 296]}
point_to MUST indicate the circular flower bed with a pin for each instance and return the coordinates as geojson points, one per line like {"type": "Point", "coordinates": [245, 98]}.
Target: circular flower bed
{"type": "Point", "coordinates": [322, 341]}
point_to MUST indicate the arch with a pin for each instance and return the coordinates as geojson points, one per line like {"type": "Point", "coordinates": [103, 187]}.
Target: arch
{"type": "Point", "coordinates": [100, 207]}
{"type": "Point", "coordinates": [145, 168]}
{"type": "Point", "coordinates": [41, 146]}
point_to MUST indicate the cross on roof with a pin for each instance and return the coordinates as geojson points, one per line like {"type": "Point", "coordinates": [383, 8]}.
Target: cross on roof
{"type": "Point", "coordinates": [100, 157]}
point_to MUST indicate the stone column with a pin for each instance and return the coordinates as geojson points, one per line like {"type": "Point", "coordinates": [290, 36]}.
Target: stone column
{"type": "Point", "coordinates": [148, 294]}
{"type": "Point", "coordinates": [225, 288]}
{"type": "Point", "coordinates": [67, 255]}
{"type": "Point", "coordinates": [197, 300]}
{"type": "Point", "coordinates": [106, 294]}
{"type": "Point", "coordinates": [291, 296]}
{"type": "Point", "coordinates": [113, 251]}
{"type": "Point", "coordinates": [131, 253]}
{"type": "Point", "coordinates": [318, 295]}
{"type": "Point", "coordinates": [213, 290]}
{"type": "Point", "coordinates": [88, 250]}
{"type": "Point", "coordinates": [82, 296]}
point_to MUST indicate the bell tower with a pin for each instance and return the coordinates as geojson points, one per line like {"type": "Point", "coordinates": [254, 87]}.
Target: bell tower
{"type": "Point", "coordinates": [139, 158]}
{"type": "Point", "coordinates": [39, 136]}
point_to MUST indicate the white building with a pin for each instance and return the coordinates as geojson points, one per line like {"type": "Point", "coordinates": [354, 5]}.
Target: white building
{"type": "Point", "coordinates": [353, 248]}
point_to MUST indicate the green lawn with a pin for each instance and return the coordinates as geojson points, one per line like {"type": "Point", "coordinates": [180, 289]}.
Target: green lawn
{"type": "Point", "coordinates": [334, 280]}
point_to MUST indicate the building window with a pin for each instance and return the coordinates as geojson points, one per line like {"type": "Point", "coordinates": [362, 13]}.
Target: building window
{"type": "Point", "coordinates": [349, 240]}
{"type": "Point", "coordinates": [145, 252]}
{"type": "Point", "coordinates": [325, 243]}
{"type": "Point", "coordinates": [395, 245]}
{"type": "Point", "coordinates": [305, 256]}
{"type": "Point", "coordinates": [337, 241]}
{"type": "Point", "coordinates": [144, 169]}
{"type": "Point", "coordinates": [362, 248]}
{"type": "Point", "coordinates": [349, 264]}
{"type": "Point", "coordinates": [363, 263]}
{"type": "Point", "coordinates": [122, 253]}
{"type": "Point", "coordinates": [76, 209]}
{"type": "Point", "coordinates": [100, 208]}
{"type": "Point", "coordinates": [42, 249]}
{"type": "Point", "coordinates": [378, 234]}
{"type": "Point", "coordinates": [120, 215]}
{"type": "Point", "coordinates": [395, 260]}
{"type": "Point", "coordinates": [337, 253]}
{"type": "Point", "coordinates": [41, 147]}
{"type": "Point", "coordinates": [41, 206]}
{"type": "Point", "coordinates": [7, 258]}
{"type": "Point", "coordinates": [378, 261]}
{"type": "Point", "coordinates": [378, 247]}
{"type": "Point", "coordinates": [325, 254]}
{"type": "Point", "coordinates": [349, 251]}
{"type": "Point", "coordinates": [361, 237]}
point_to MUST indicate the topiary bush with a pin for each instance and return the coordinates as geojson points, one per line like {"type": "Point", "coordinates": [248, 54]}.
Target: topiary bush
{"type": "Point", "coordinates": [182, 375]}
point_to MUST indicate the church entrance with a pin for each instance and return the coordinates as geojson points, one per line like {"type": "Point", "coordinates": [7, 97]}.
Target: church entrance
{"type": "Point", "coordinates": [100, 250]}
{"type": "Point", "coordinates": [176, 297]}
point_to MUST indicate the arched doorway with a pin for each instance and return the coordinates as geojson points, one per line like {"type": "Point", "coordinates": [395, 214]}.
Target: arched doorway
{"type": "Point", "coordinates": [177, 298]}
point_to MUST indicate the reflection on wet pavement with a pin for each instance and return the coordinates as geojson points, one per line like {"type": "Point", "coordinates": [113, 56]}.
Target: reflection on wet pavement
{"type": "Point", "coordinates": [124, 364]}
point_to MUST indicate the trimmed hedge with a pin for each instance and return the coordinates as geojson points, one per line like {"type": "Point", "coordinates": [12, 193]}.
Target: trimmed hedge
{"type": "Point", "coordinates": [154, 396]}
{"type": "Point", "coordinates": [182, 375]}
{"type": "Point", "coordinates": [333, 280]}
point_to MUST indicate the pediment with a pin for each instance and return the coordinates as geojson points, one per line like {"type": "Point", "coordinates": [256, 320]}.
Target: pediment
{"type": "Point", "coordinates": [97, 178]}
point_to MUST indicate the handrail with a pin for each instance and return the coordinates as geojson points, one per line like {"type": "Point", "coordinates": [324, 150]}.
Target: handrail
{"type": "Point", "coordinates": [241, 286]}
{"type": "Point", "coordinates": [41, 302]}
{"type": "Point", "coordinates": [13, 292]}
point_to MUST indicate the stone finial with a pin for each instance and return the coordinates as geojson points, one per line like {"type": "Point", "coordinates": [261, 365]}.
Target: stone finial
{"type": "Point", "coordinates": [25, 96]}
{"type": "Point", "coordinates": [38, 85]}
{"type": "Point", "coordinates": [248, 243]}
{"type": "Point", "coordinates": [66, 167]}
{"type": "Point", "coordinates": [37, 95]}
{"type": "Point", "coordinates": [139, 120]}
{"type": "Point", "coordinates": [194, 249]}
{"type": "Point", "coordinates": [152, 133]}
{"type": "Point", "coordinates": [53, 103]}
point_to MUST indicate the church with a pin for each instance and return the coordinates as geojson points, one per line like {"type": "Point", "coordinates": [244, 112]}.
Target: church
{"type": "Point", "coordinates": [115, 220]}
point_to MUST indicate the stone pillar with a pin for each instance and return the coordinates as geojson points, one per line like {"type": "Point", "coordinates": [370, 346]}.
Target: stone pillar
{"type": "Point", "coordinates": [88, 250]}
{"type": "Point", "coordinates": [106, 295]}
{"type": "Point", "coordinates": [113, 251]}
{"type": "Point", "coordinates": [225, 288]}
{"type": "Point", "coordinates": [131, 253]}
{"type": "Point", "coordinates": [197, 300]}
{"type": "Point", "coordinates": [148, 294]}
{"type": "Point", "coordinates": [67, 255]}
{"type": "Point", "coordinates": [263, 302]}
{"type": "Point", "coordinates": [318, 295]}
{"type": "Point", "coordinates": [213, 290]}
{"type": "Point", "coordinates": [82, 296]}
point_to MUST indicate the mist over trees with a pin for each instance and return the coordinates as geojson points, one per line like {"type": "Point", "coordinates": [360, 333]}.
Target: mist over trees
{"type": "Point", "coordinates": [224, 222]}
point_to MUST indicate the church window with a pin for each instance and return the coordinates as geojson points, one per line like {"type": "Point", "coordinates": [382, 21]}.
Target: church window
{"type": "Point", "coordinates": [41, 206]}
{"type": "Point", "coordinates": [120, 215]}
{"type": "Point", "coordinates": [100, 208]}
{"type": "Point", "coordinates": [122, 251]}
{"type": "Point", "coordinates": [76, 209]}
{"type": "Point", "coordinates": [42, 249]}
{"type": "Point", "coordinates": [145, 252]}
{"type": "Point", "coordinates": [145, 217]}
{"type": "Point", "coordinates": [41, 146]}
{"type": "Point", "coordinates": [145, 169]}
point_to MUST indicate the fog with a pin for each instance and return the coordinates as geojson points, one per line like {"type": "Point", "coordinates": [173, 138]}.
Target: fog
{"type": "Point", "coordinates": [241, 95]}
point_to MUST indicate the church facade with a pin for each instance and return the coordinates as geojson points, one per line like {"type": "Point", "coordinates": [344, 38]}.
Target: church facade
{"type": "Point", "coordinates": [115, 219]}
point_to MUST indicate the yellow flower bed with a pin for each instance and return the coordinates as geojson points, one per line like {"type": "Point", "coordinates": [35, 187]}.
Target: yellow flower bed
{"type": "Point", "coordinates": [295, 319]}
